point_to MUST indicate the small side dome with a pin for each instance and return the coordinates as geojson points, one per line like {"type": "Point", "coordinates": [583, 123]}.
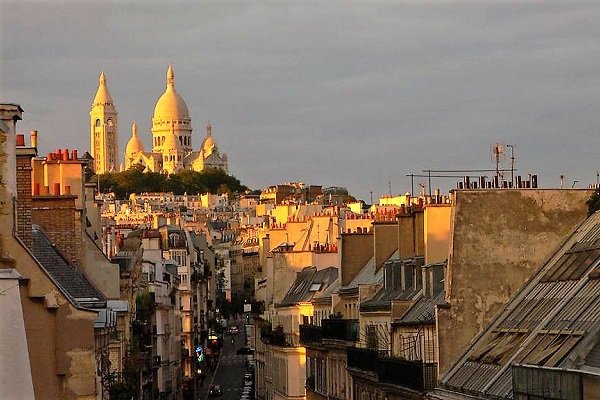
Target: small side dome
{"type": "Point", "coordinates": [208, 145]}
{"type": "Point", "coordinates": [134, 145]}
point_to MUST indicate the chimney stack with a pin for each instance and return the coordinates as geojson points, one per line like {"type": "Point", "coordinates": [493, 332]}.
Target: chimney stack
{"type": "Point", "coordinates": [34, 135]}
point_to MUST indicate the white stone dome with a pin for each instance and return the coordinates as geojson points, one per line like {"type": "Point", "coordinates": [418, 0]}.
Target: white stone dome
{"type": "Point", "coordinates": [134, 145]}
{"type": "Point", "coordinates": [171, 106]}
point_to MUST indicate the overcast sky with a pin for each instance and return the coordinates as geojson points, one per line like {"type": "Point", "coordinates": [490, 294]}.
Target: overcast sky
{"type": "Point", "coordinates": [334, 93]}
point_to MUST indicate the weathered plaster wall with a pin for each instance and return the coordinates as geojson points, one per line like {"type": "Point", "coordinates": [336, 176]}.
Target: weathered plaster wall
{"type": "Point", "coordinates": [411, 240]}
{"type": "Point", "coordinates": [385, 239]}
{"type": "Point", "coordinates": [437, 232]}
{"type": "Point", "coordinates": [498, 239]}
{"type": "Point", "coordinates": [356, 250]}
{"type": "Point", "coordinates": [284, 274]}
{"type": "Point", "coordinates": [101, 272]}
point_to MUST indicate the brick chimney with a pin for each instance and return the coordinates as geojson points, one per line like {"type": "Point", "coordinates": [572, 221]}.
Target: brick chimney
{"type": "Point", "coordinates": [55, 213]}
{"type": "Point", "coordinates": [58, 201]}
{"type": "Point", "coordinates": [24, 156]}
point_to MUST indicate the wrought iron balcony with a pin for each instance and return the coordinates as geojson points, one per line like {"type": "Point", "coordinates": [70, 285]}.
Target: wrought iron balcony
{"type": "Point", "coordinates": [363, 359]}
{"type": "Point", "coordinates": [340, 329]}
{"type": "Point", "coordinates": [279, 338]}
{"type": "Point", "coordinates": [310, 334]}
{"type": "Point", "coordinates": [415, 375]}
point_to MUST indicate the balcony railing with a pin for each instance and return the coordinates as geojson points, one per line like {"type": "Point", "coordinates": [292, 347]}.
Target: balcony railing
{"type": "Point", "coordinates": [310, 334]}
{"type": "Point", "coordinates": [364, 359]}
{"type": "Point", "coordinates": [340, 329]}
{"type": "Point", "coordinates": [415, 375]}
{"type": "Point", "coordinates": [279, 338]}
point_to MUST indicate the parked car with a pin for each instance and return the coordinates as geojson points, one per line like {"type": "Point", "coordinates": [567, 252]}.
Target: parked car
{"type": "Point", "coordinates": [215, 390]}
{"type": "Point", "coordinates": [244, 351]}
{"type": "Point", "coordinates": [234, 330]}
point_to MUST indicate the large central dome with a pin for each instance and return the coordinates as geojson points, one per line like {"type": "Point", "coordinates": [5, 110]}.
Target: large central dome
{"type": "Point", "coordinates": [171, 106]}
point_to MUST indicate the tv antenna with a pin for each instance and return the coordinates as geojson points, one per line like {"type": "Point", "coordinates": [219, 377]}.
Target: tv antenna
{"type": "Point", "coordinates": [497, 152]}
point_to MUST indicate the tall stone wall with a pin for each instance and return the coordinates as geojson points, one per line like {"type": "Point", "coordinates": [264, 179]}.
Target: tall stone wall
{"type": "Point", "coordinates": [357, 250]}
{"type": "Point", "coordinates": [498, 239]}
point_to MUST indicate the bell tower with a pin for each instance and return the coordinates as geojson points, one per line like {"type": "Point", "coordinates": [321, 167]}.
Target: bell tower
{"type": "Point", "coordinates": [104, 139]}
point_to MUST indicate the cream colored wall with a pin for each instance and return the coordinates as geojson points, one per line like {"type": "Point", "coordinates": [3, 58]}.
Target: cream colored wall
{"type": "Point", "coordinates": [284, 274]}
{"type": "Point", "coordinates": [381, 319]}
{"type": "Point", "coordinates": [291, 317]}
{"type": "Point", "coordinates": [60, 337]}
{"type": "Point", "coordinates": [347, 305]}
{"type": "Point", "coordinates": [101, 272]}
{"type": "Point", "coordinates": [424, 336]}
{"type": "Point", "coordinates": [385, 240]}
{"type": "Point", "coordinates": [324, 260]}
{"type": "Point", "coordinates": [437, 232]}
{"type": "Point", "coordinates": [499, 238]}
{"type": "Point", "coordinates": [352, 225]}
{"type": "Point", "coordinates": [263, 209]}
{"type": "Point", "coordinates": [15, 369]}
{"type": "Point", "coordinates": [356, 250]}
{"type": "Point", "coordinates": [339, 380]}
{"type": "Point", "coordinates": [288, 372]}
{"type": "Point", "coordinates": [322, 309]}
{"type": "Point", "coordinates": [411, 241]}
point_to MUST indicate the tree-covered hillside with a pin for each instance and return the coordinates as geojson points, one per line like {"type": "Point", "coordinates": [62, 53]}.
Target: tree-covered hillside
{"type": "Point", "coordinates": [134, 180]}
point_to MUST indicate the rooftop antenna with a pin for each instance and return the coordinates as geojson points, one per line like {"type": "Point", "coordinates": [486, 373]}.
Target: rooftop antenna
{"type": "Point", "coordinates": [512, 163]}
{"type": "Point", "coordinates": [498, 155]}
{"type": "Point", "coordinates": [390, 187]}
{"type": "Point", "coordinates": [423, 186]}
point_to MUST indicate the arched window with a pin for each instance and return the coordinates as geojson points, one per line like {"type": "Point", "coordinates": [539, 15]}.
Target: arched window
{"type": "Point", "coordinates": [109, 122]}
{"type": "Point", "coordinates": [98, 122]}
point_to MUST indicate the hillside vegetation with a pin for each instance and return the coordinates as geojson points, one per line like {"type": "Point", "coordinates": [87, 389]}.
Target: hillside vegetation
{"type": "Point", "coordinates": [123, 184]}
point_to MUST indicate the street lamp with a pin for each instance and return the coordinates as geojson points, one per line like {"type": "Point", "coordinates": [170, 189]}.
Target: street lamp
{"type": "Point", "coordinates": [512, 162]}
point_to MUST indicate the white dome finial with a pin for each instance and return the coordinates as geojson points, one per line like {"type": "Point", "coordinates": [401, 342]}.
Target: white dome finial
{"type": "Point", "coordinates": [170, 76]}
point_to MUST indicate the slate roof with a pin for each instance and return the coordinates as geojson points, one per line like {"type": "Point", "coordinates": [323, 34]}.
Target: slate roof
{"type": "Point", "coordinates": [328, 292]}
{"type": "Point", "coordinates": [551, 324]}
{"type": "Point", "coordinates": [382, 299]}
{"type": "Point", "coordinates": [309, 283]}
{"type": "Point", "coordinates": [73, 284]}
{"type": "Point", "coordinates": [366, 276]}
{"type": "Point", "coordinates": [422, 312]}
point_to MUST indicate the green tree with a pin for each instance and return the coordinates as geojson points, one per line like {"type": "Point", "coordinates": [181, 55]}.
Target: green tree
{"type": "Point", "coordinates": [593, 202]}
{"type": "Point", "coordinates": [135, 180]}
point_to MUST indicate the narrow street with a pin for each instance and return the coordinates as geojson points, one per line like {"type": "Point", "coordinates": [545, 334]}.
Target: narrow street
{"type": "Point", "coordinates": [230, 370]}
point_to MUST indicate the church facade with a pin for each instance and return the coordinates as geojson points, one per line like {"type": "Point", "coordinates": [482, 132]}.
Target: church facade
{"type": "Point", "coordinates": [171, 137]}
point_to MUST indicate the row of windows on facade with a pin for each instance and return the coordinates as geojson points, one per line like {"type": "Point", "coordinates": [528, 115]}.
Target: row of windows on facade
{"type": "Point", "coordinates": [109, 147]}
{"type": "Point", "coordinates": [168, 122]}
{"type": "Point", "coordinates": [109, 122]}
{"type": "Point", "coordinates": [183, 140]}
